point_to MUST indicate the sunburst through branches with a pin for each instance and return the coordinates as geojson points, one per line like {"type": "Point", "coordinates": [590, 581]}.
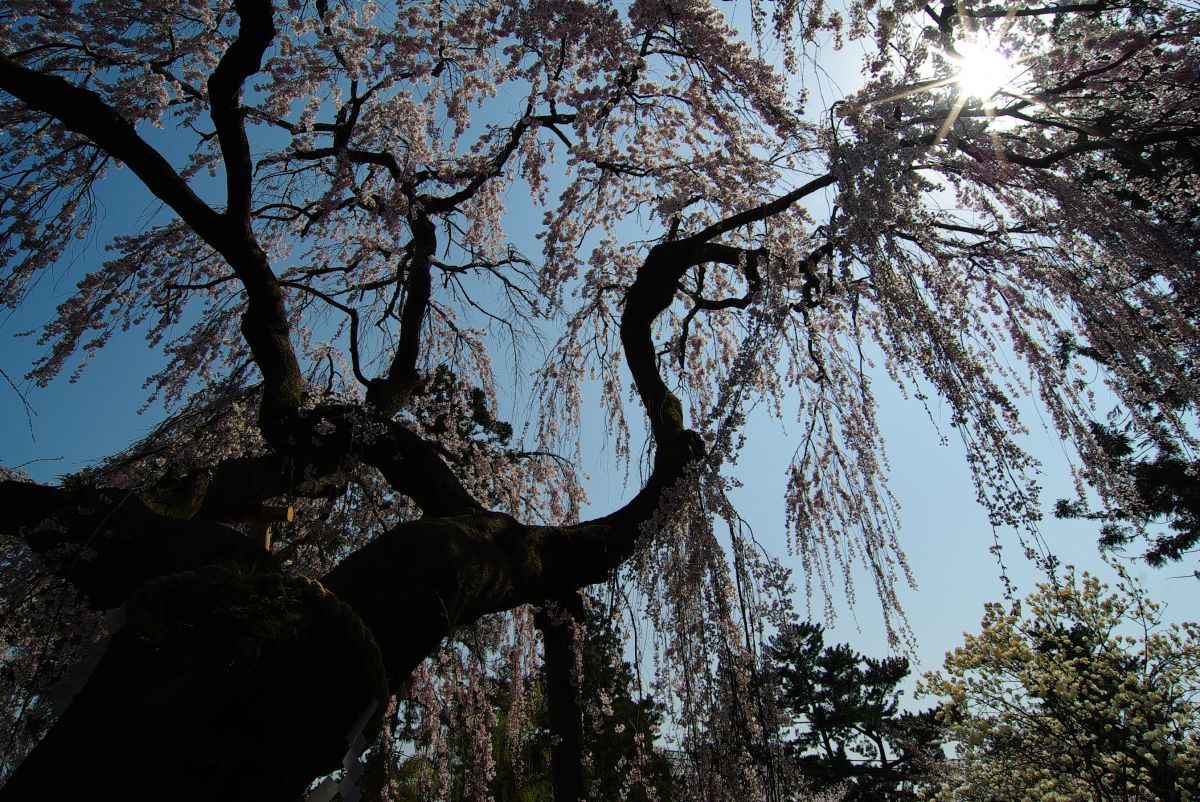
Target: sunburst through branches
{"type": "Point", "coordinates": [984, 71]}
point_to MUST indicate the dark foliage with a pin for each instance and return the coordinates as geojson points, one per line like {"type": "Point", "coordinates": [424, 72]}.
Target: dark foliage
{"type": "Point", "coordinates": [844, 711]}
{"type": "Point", "coordinates": [1167, 488]}
{"type": "Point", "coordinates": [618, 740]}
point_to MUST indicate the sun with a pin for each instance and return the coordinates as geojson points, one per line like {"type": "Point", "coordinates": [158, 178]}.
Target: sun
{"type": "Point", "coordinates": [983, 71]}
{"type": "Point", "coordinates": [983, 77]}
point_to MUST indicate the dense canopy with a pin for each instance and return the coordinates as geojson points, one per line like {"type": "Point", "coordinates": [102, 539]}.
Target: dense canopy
{"type": "Point", "coordinates": [343, 281]}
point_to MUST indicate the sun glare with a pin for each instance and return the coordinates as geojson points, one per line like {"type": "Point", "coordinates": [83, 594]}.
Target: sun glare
{"type": "Point", "coordinates": [983, 70]}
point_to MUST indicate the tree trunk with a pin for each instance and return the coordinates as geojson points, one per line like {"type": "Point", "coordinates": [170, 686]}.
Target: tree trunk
{"type": "Point", "coordinates": [560, 652]}
{"type": "Point", "coordinates": [223, 683]}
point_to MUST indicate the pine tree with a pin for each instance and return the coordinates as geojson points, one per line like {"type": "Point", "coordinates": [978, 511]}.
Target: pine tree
{"type": "Point", "coordinates": [847, 730]}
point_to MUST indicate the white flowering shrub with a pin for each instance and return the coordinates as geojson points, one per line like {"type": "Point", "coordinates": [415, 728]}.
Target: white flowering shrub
{"type": "Point", "coordinates": [1077, 693]}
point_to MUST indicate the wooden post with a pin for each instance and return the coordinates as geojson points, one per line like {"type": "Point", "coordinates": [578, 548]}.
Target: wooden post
{"type": "Point", "coordinates": [258, 521]}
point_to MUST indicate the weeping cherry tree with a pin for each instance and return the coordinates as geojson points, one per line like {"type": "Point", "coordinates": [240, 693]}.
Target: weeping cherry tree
{"type": "Point", "coordinates": [341, 279]}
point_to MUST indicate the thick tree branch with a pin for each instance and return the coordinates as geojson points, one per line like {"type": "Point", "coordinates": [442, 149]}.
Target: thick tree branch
{"type": "Point", "coordinates": [1063, 8]}
{"type": "Point", "coordinates": [354, 155]}
{"type": "Point", "coordinates": [323, 444]}
{"type": "Point", "coordinates": [108, 543]}
{"type": "Point", "coordinates": [764, 211]}
{"type": "Point", "coordinates": [420, 581]}
{"type": "Point", "coordinates": [414, 468]}
{"type": "Point", "coordinates": [1083, 145]}
{"type": "Point", "coordinates": [264, 324]}
{"type": "Point", "coordinates": [242, 60]}
{"type": "Point", "coordinates": [84, 112]}
{"type": "Point", "coordinates": [651, 293]}
{"type": "Point", "coordinates": [319, 445]}
{"type": "Point", "coordinates": [389, 394]}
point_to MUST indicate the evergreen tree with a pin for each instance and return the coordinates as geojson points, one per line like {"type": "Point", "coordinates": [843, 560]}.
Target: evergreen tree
{"type": "Point", "coordinates": [1165, 485]}
{"type": "Point", "coordinates": [847, 728]}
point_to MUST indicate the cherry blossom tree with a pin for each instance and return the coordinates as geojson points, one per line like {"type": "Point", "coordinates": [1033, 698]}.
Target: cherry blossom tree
{"type": "Point", "coordinates": [333, 282]}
